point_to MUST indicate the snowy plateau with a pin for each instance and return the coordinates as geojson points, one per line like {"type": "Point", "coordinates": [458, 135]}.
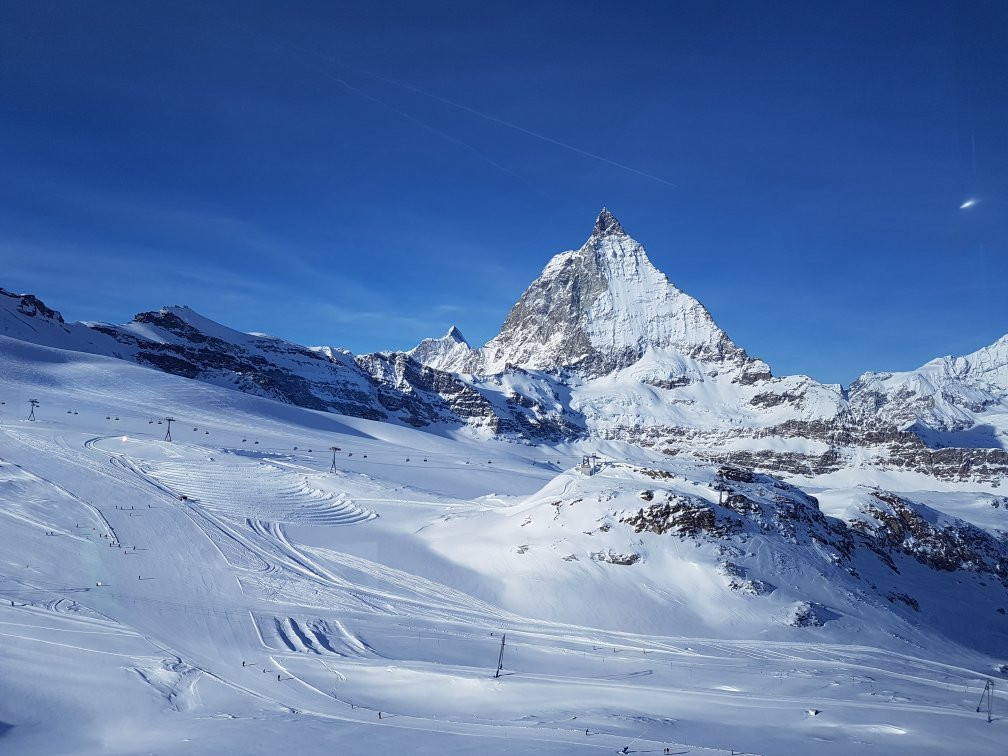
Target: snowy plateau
{"type": "Point", "coordinates": [608, 530]}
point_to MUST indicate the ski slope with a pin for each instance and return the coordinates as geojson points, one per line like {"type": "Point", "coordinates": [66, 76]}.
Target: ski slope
{"type": "Point", "coordinates": [225, 592]}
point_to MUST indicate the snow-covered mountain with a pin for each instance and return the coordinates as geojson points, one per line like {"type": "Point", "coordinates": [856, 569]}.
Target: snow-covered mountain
{"type": "Point", "coordinates": [449, 353]}
{"type": "Point", "coordinates": [600, 309]}
{"type": "Point", "coordinates": [231, 578]}
{"type": "Point", "coordinates": [601, 345]}
{"type": "Point", "coordinates": [952, 400]}
{"type": "Point", "coordinates": [333, 544]}
{"type": "Point", "coordinates": [390, 386]}
{"type": "Point", "coordinates": [647, 363]}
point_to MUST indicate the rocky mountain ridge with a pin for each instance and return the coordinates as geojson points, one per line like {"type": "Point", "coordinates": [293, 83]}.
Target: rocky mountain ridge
{"type": "Point", "coordinates": [387, 386]}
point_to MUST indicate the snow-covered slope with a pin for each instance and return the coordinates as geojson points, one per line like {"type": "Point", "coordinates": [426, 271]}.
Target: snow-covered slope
{"type": "Point", "coordinates": [228, 592]}
{"type": "Point", "coordinates": [26, 317]}
{"type": "Point", "coordinates": [383, 386]}
{"type": "Point", "coordinates": [950, 400]}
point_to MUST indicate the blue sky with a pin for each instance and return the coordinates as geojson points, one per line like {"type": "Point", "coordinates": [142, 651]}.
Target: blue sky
{"type": "Point", "coordinates": [367, 174]}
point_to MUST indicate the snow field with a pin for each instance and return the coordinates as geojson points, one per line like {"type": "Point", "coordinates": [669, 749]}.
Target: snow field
{"type": "Point", "coordinates": [270, 610]}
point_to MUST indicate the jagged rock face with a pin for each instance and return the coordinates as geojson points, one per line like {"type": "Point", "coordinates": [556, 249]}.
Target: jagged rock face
{"type": "Point", "coordinates": [420, 395]}
{"type": "Point", "coordinates": [809, 614]}
{"type": "Point", "coordinates": [749, 503]}
{"type": "Point", "coordinates": [686, 516]}
{"type": "Point", "coordinates": [31, 306]}
{"type": "Point", "coordinates": [775, 506]}
{"type": "Point", "coordinates": [740, 580]}
{"type": "Point", "coordinates": [933, 539]}
{"type": "Point", "coordinates": [765, 532]}
{"type": "Point", "coordinates": [177, 340]}
{"type": "Point", "coordinates": [26, 317]}
{"type": "Point", "coordinates": [600, 308]}
{"type": "Point", "coordinates": [388, 387]}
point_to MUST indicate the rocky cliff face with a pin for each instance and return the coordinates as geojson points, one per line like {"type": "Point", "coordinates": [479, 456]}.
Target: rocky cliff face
{"type": "Point", "coordinates": [936, 540]}
{"type": "Point", "coordinates": [765, 530]}
{"type": "Point", "coordinates": [775, 546]}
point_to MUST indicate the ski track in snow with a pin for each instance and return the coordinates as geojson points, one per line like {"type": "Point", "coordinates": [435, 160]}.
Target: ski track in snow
{"type": "Point", "coordinates": [261, 491]}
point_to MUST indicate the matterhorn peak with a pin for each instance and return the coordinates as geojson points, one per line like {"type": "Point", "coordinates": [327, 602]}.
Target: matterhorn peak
{"type": "Point", "coordinates": [602, 308]}
{"type": "Point", "coordinates": [607, 225]}
{"type": "Point", "coordinates": [454, 334]}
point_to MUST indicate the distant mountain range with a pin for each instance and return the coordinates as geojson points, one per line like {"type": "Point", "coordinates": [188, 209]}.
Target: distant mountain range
{"type": "Point", "coordinates": [601, 345]}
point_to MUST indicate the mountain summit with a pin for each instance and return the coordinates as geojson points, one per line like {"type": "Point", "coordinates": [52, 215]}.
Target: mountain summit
{"type": "Point", "coordinates": [446, 353]}
{"type": "Point", "coordinates": [601, 308]}
{"type": "Point", "coordinates": [607, 225]}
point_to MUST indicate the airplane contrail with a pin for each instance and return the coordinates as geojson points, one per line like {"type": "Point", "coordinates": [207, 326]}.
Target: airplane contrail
{"type": "Point", "coordinates": [428, 127]}
{"type": "Point", "coordinates": [507, 124]}
{"type": "Point", "coordinates": [292, 47]}
{"type": "Point", "coordinates": [444, 100]}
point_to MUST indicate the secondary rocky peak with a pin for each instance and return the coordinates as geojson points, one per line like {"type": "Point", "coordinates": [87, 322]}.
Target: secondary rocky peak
{"type": "Point", "coordinates": [449, 353]}
{"type": "Point", "coordinates": [454, 334]}
{"type": "Point", "coordinates": [607, 225]}
{"type": "Point", "coordinates": [30, 306]}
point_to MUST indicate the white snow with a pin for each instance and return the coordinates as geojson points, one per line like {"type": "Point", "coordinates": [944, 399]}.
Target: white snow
{"type": "Point", "coordinates": [450, 352]}
{"type": "Point", "coordinates": [279, 607]}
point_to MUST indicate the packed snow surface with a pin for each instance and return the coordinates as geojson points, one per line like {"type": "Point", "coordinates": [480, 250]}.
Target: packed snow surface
{"type": "Point", "coordinates": [232, 590]}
